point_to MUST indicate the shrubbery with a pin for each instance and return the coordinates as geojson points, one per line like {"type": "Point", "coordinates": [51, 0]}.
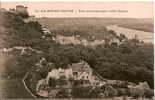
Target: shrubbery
{"type": "Point", "coordinates": [120, 62]}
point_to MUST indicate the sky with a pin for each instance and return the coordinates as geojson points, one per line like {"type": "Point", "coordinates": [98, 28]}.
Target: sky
{"type": "Point", "coordinates": [87, 9]}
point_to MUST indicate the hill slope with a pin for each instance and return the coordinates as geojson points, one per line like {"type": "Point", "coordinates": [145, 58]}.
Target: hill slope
{"type": "Point", "coordinates": [14, 32]}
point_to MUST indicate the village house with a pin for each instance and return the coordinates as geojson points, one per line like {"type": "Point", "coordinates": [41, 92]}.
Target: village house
{"type": "Point", "coordinates": [29, 19]}
{"type": "Point", "coordinates": [77, 71]}
{"type": "Point", "coordinates": [57, 73]}
{"type": "Point", "coordinates": [80, 73]}
{"type": "Point", "coordinates": [115, 40]}
{"type": "Point", "coordinates": [41, 88]}
{"type": "Point", "coordinates": [81, 70]}
{"type": "Point", "coordinates": [46, 30]}
{"type": "Point", "coordinates": [84, 42]}
{"type": "Point", "coordinates": [97, 42]}
{"type": "Point", "coordinates": [67, 40]}
{"type": "Point", "coordinates": [3, 10]}
{"type": "Point", "coordinates": [76, 40]}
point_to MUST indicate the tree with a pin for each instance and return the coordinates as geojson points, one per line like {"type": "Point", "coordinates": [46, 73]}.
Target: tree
{"type": "Point", "coordinates": [121, 37]}
{"type": "Point", "coordinates": [78, 92]}
{"type": "Point", "coordinates": [62, 81]}
{"type": "Point", "coordinates": [113, 33]}
{"type": "Point", "coordinates": [52, 82]}
{"type": "Point", "coordinates": [63, 93]}
{"type": "Point", "coordinates": [96, 93]}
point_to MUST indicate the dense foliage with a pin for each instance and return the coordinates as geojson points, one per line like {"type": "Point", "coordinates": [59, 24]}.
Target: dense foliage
{"type": "Point", "coordinates": [130, 61]}
{"type": "Point", "coordinates": [18, 32]}
{"type": "Point", "coordinates": [120, 62]}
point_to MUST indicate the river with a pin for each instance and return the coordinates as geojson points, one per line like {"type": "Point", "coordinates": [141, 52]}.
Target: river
{"type": "Point", "coordinates": [147, 37]}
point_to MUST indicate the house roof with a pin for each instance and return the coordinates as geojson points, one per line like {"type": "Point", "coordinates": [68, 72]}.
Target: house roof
{"type": "Point", "coordinates": [19, 6]}
{"type": "Point", "coordinates": [81, 66]}
{"type": "Point", "coordinates": [77, 66]}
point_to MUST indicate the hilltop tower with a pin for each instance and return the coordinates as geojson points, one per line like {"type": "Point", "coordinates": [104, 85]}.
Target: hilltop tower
{"type": "Point", "coordinates": [21, 9]}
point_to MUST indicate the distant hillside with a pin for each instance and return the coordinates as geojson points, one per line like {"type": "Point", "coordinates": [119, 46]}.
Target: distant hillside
{"type": "Point", "coordinates": [78, 23]}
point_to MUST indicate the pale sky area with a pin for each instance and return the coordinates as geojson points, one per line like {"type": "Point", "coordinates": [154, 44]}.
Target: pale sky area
{"type": "Point", "coordinates": [105, 9]}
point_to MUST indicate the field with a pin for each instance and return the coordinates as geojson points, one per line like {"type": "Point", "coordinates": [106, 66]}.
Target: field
{"type": "Point", "coordinates": [144, 24]}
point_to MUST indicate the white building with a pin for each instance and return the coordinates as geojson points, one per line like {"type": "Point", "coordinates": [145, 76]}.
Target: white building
{"type": "Point", "coordinates": [57, 73]}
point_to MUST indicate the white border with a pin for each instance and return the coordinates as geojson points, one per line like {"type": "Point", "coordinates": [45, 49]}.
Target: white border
{"type": "Point", "coordinates": [93, 1]}
{"type": "Point", "coordinates": [76, 0]}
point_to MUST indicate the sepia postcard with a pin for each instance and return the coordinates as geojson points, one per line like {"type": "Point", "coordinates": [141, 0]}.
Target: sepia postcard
{"type": "Point", "coordinates": [77, 50]}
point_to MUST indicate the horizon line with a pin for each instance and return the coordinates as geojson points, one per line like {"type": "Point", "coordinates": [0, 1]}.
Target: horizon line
{"type": "Point", "coordinates": [102, 17]}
